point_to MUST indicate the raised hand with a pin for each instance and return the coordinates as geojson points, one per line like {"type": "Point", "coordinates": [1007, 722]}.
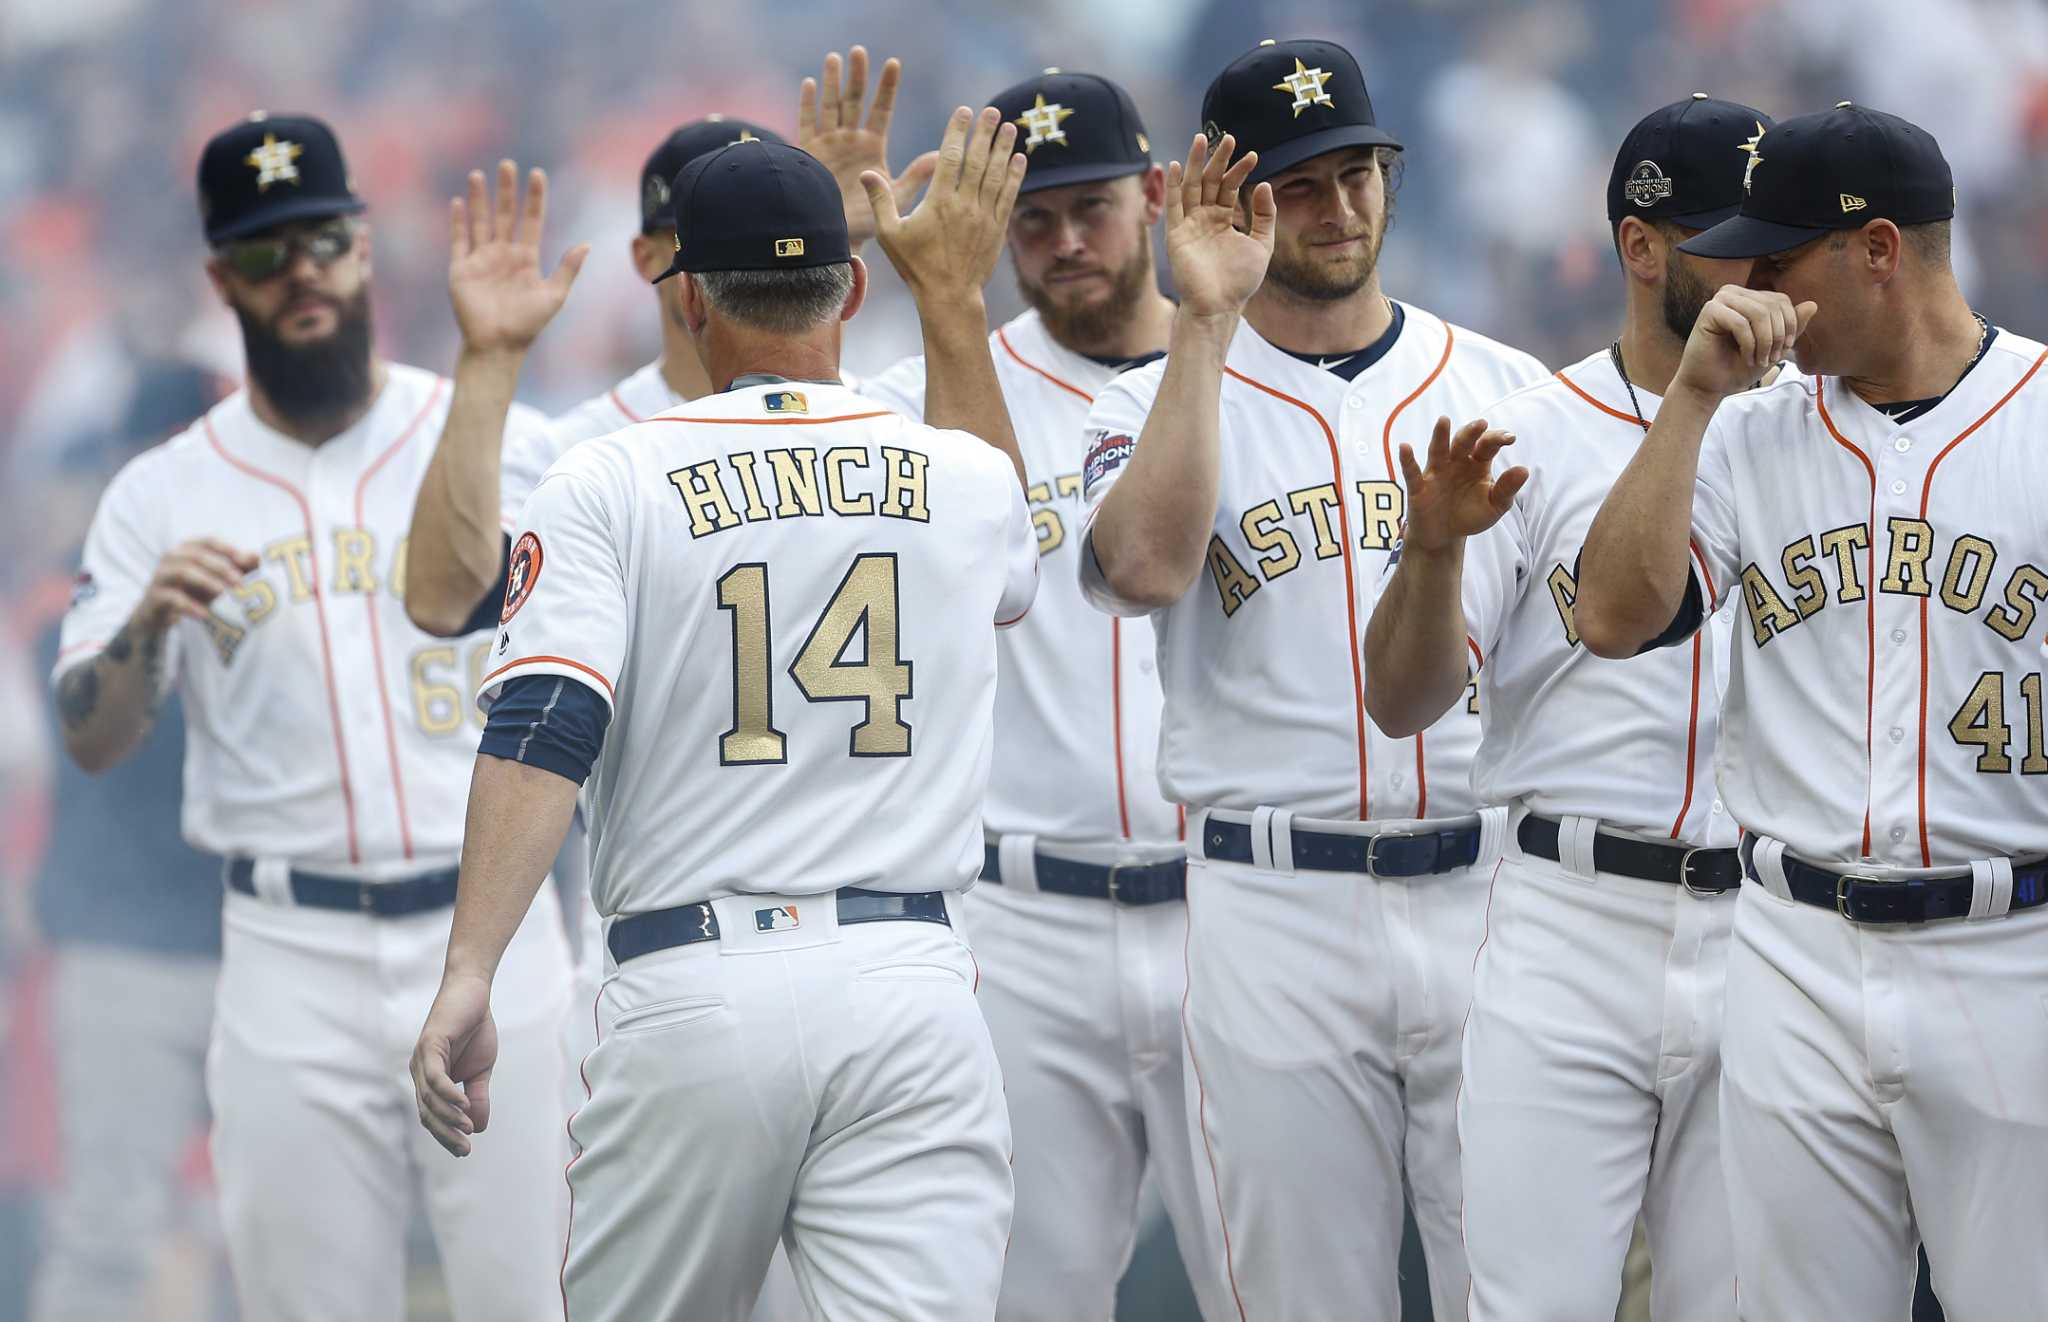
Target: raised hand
{"type": "Point", "coordinates": [1217, 267]}
{"type": "Point", "coordinates": [501, 299]}
{"type": "Point", "coordinates": [451, 1065]}
{"type": "Point", "coordinates": [949, 246]}
{"type": "Point", "coordinates": [1457, 495]}
{"type": "Point", "coordinates": [1740, 335]}
{"type": "Point", "coordinates": [187, 579]}
{"type": "Point", "coordinates": [829, 127]}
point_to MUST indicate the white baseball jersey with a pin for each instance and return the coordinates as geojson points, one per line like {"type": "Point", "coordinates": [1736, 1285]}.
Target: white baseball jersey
{"type": "Point", "coordinates": [1886, 689]}
{"type": "Point", "coordinates": [1566, 732]}
{"type": "Point", "coordinates": [322, 726]}
{"type": "Point", "coordinates": [532, 453]}
{"type": "Point", "coordinates": [1077, 709]}
{"type": "Point", "coordinates": [784, 593]}
{"type": "Point", "coordinates": [1261, 661]}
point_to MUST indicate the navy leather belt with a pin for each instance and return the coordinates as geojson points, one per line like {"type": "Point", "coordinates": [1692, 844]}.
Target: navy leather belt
{"type": "Point", "coordinates": [1701, 871]}
{"type": "Point", "coordinates": [382, 899]}
{"type": "Point", "coordinates": [644, 933]}
{"type": "Point", "coordinates": [1123, 883]}
{"type": "Point", "coordinates": [1385, 854]}
{"type": "Point", "coordinates": [1863, 898]}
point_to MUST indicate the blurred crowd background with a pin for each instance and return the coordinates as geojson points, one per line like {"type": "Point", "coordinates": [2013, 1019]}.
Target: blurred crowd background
{"type": "Point", "coordinates": [110, 338]}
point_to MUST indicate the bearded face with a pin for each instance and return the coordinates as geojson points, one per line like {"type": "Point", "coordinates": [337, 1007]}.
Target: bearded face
{"type": "Point", "coordinates": [1333, 215]}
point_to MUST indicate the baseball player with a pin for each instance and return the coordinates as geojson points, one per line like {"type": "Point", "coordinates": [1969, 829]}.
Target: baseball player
{"type": "Point", "coordinates": [779, 601]}
{"type": "Point", "coordinates": [327, 751]}
{"type": "Point", "coordinates": [1081, 923]}
{"type": "Point", "coordinates": [1592, 1054]}
{"type": "Point", "coordinates": [1885, 1068]}
{"type": "Point", "coordinates": [1244, 493]}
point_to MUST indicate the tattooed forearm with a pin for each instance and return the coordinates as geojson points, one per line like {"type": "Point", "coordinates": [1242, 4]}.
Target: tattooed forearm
{"type": "Point", "coordinates": [78, 695]}
{"type": "Point", "coordinates": [126, 677]}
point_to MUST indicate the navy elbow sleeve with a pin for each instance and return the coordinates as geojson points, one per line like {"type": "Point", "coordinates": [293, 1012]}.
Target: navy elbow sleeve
{"type": "Point", "coordinates": [548, 721]}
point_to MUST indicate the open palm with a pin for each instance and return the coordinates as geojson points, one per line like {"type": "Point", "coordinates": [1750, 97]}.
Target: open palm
{"type": "Point", "coordinates": [1217, 266]}
{"type": "Point", "coordinates": [501, 299]}
{"type": "Point", "coordinates": [829, 127]}
{"type": "Point", "coordinates": [1457, 495]}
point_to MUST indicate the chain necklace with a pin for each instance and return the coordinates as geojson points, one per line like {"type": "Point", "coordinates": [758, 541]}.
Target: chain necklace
{"type": "Point", "coordinates": [1614, 352]}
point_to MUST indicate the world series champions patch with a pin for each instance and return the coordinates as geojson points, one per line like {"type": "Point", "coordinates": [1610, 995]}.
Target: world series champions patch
{"type": "Point", "coordinates": [1105, 456]}
{"type": "Point", "coordinates": [521, 575]}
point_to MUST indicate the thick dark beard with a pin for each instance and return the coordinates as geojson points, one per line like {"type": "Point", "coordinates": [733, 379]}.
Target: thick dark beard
{"type": "Point", "coordinates": [1314, 283]}
{"type": "Point", "coordinates": [1095, 323]}
{"type": "Point", "coordinates": [1685, 294]}
{"type": "Point", "coordinates": [312, 385]}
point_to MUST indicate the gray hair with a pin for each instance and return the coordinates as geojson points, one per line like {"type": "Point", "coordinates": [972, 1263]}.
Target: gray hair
{"type": "Point", "coordinates": [779, 302]}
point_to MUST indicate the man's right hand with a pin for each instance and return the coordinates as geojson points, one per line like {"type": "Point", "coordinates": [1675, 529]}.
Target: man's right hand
{"type": "Point", "coordinates": [187, 580]}
{"type": "Point", "coordinates": [1217, 267]}
{"type": "Point", "coordinates": [1457, 496]}
{"type": "Point", "coordinates": [501, 300]}
{"type": "Point", "coordinates": [1740, 335]}
{"type": "Point", "coordinates": [949, 246]}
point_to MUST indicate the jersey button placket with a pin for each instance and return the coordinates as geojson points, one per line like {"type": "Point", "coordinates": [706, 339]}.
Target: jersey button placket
{"type": "Point", "coordinates": [1895, 660]}
{"type": "Point", "coordinates": [330, 488]}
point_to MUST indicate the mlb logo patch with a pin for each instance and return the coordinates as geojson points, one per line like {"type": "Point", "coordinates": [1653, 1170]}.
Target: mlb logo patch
{"type": "Point", "coordinates": [781, 918]}
{"type": "Point", "coordinates": [785, 401]}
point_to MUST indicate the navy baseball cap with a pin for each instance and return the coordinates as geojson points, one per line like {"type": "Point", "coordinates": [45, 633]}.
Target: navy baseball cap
{"type": "Point", "coordinates": [757, 206]}
{"type": "Point", "coordinates": [1685, 162]}
{"type": "Point", "coordinates": [1290, 101]}
{"type": "Point", "coordinates": [1074, 128]}
{"type": "Point", "coordinates": [269, 169]}
{"type": "Point", "coordinates": [686, 144]}
{"type": "Point", "coordinates": [1836, 170]}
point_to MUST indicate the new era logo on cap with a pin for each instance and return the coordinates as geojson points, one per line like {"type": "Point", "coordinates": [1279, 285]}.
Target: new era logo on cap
{"type": "Point", "coordinates": [1851, 202]}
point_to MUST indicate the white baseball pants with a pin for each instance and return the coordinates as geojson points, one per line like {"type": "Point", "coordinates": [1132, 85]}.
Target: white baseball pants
{"type": "Point", "coordinates": [1322, 1023]}
{"type": "Point", "coordinates": [1592, 1070]}
{"type": "Point", "coordinates": [831, 1088]}
{"type": "Point", "coordinates": [1882, 1085]}
{"type": "Point", "coordinates": [1083, 1001]}
{"type": "Point", "coordinates": [317, 1138]}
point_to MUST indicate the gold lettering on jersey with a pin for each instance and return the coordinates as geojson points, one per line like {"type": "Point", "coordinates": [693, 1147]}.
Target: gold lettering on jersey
{"type": "Point", "coordinates": [2024, 593]}
{"type": "Point", "coordinates": [704, 496]}
{"type": "Point", "coordinates": [1912, 543]}
{"type": "Point", "coordinates": [1843, 544]}
{"type": "Point", "coordinates": [1564, 594]}
{"type": "Point", "coordinates": [225, 636]}
{"type": "Point", "coordinates": [295, 554]}
{"type": "Point", "coordinates": [1319, 503]}
{"type": "Point", "coordinates": [258, 599]}
{"type": "Point", "coordinates": [1768, 614]}
{"type": "Point", "coordinates": [903, 498]}
{"type": "Point", "coordinates": [397, 583]}
{"type": "Point", "coordinates": [1234, 583]}
{"type": "Point", "coordinates": [1972, 556]}
{"type": "Point", "coordinates": [743, 467]}
{"type": "Point", "coordinates": [1381, 510]}
{"type": "Point", "coordinates": [1045, 521]}
{"type": "Point", "coordinates": [836, 463]}
{"type": "Point", "coordinates": [796, 482]}
{"type": "Point", "coordinates": [354, 548]}
{"type": "Point", "coordinates": [1809, 588]}
{"type": "Point", "coordinates": [1279, 553]}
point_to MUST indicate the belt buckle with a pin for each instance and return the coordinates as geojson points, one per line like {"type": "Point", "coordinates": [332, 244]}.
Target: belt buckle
{"type": "Point", "coordinates": [1685, 873]}
{"type": "Point", "coordinates": [1372, 845]}
{"type": "Point", "coordinates": [366, 897]}
{"type": "Point", "coordinates": [1115, 897]}
{"type": "Point", "coordinates": [1843, 883]}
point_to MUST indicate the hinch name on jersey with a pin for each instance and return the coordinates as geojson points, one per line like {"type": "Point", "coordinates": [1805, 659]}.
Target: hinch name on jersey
{"type": "Point", "coordinates": [1275, 531]}
{"type": "Point", "coordinates": [855, 481]}
{"type": "Point", "coordinates": [1961, 579]}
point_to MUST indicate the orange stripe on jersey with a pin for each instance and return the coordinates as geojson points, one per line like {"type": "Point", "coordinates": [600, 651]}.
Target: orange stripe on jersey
{"type": "Point", "coordinates": [1927, 494]}
{"type": "Point", "coordinates": [777, 422]}
{"type": "Point", "coordinates": [548, 660]}
{"type": "Point", "coordinates": [1350, 590]}
{"type": "Point", "coordinates": [348, 794]}
{"type": "Point", "coordinates": [1628, 418]}
{"type": "Point", "coordinates": [1394, 475]}
{"type": "Point", "coordinates": [376, 631]}
{"type": "Point", "coordinates": [1003, 339]}
{"type": "Point", "coordinates": [620, 405]}
{"type": "Point", "coordinates": [1869, 599]}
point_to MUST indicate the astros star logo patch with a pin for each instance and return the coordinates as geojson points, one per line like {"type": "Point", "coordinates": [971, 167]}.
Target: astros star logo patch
{"type": "Point", "coordinates": [1307, 87]}
{"type": "Point", "coordinates": [273, 162]}
{"type": "Point", "coordinates": [1755, 156]}
{"type": "Point", "coordinates": [1042, 122]}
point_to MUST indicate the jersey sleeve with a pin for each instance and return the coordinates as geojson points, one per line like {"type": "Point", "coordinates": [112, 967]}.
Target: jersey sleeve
{"type": "Point", "coordinates": [122, 550]}
{"type": "Point", "coordinates": [530, 451]}
{"type": "Point", "coordinates": [900, 388]}
{"type": "Point", "coordinates": [565, 610]}
{"type": "Point", "coordinates": [1716, 547]}
{"type": "Point", "coordinates": [1496, 561]}
{"type": "Point", "coordinates": [1110, 439]}
{"type": "Point", "coordinates": [1020, 556]}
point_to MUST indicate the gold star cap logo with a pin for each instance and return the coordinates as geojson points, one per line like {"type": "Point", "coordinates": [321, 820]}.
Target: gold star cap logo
{"type": "Point", "coordinates": [1041, 121]}
{"type": "Point", "coordinates": [1755, 157]}
{"type": "Point", "coordinates": [1306, 86]}
{"type": "Point", "coordinates": [273, 162]}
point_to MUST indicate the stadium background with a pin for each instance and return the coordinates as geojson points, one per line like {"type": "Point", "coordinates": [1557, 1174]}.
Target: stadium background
{"type": "Point", "coordinates": [110, 339]}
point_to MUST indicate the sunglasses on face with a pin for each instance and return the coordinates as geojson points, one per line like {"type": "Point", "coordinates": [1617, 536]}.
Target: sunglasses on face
{"type": "Point", "coordinates": [266, 256]}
